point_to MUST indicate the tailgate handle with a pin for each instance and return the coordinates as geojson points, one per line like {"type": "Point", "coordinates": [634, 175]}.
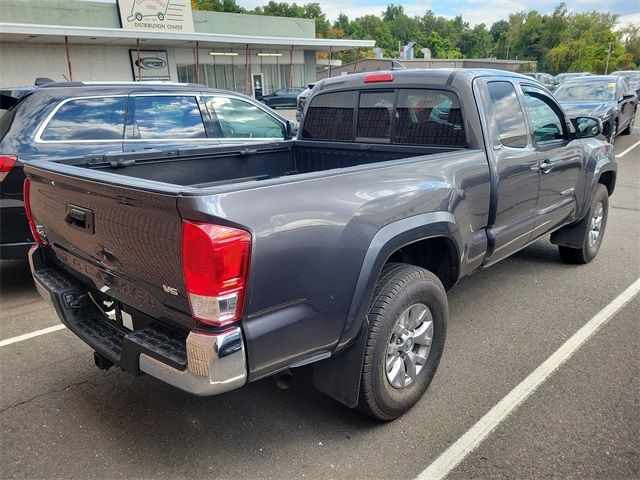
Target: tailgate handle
{"type": "Point", "coordinates": [79, 217]}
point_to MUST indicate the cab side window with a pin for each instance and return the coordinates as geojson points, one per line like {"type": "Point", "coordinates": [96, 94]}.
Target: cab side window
{"type": "Point", "coordinates": [429, 117]}
{"type": "Point", "coordinates": [547, 124]}
{"type": "Point", "coordinates": [508, 115]}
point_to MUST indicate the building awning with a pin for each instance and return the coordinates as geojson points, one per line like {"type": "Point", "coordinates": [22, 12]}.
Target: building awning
{"type": "Point", "coordinates": [48, 34]}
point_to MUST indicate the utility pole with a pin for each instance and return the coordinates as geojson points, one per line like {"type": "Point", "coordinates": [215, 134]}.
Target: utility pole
{"type": "Point", "coordinates": [606, 69]}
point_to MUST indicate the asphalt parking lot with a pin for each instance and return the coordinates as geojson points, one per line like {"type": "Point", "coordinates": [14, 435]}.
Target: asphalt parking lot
{"type": "Point", "coordinates": [60, 417]}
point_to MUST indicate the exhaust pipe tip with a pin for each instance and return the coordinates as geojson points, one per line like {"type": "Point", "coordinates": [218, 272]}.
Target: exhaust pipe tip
{"type": "Point", "coordinates": [101, 362]}
{"type": "Point", "coordinates": [284, 380]}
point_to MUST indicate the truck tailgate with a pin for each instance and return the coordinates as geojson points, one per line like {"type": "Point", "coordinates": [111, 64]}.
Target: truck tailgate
{"type": "Point", "coordinates": [126, 241]}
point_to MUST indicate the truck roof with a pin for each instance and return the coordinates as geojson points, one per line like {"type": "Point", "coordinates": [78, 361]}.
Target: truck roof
{"type": "Point", "coordinates": [433, 75]}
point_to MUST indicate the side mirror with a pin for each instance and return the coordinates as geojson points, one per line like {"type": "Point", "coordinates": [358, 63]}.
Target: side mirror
{"type": "Point", "coordinates": [628, 95]}
{"type": "Point", "coordinates": [291, 129]}
{"type": "Point", "coordinates": [587, 127]}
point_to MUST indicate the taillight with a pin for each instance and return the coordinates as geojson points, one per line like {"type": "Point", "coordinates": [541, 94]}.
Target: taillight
{"type": "Point", "coordinates": [27, 208]}
{"type": "Point", "coordinates": [215, 264]}
{"type": "Point", "coordinates": [378, 77]}
{"type": "Point", "coordinates": [7, 162]}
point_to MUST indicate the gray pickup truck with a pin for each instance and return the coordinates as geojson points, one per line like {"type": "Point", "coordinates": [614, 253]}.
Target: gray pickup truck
{"type": "Point", "coordinates": [210, 268]}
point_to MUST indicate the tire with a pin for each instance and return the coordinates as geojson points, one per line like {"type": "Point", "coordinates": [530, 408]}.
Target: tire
{"type": "Point", "coordinates": [597, 222]}
{"type": "Point", "coordinates": [138, 16]}
{"type": "Point", "coordinates": [629, 129]}
{"type": "Point", "coordinates": [404, 293]}
{"type": "Point", "coordinates": [614, 133]}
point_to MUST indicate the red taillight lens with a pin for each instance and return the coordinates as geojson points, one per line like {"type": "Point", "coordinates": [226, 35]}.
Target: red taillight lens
{"type": "Point", "coordinates": [27, 208]}
{"type": "Point", "coordinates": [7, 162]}
{"type": "Point", "coordinates": [378, 77]}
{"type": "Point", "coordinates": [215, 263]}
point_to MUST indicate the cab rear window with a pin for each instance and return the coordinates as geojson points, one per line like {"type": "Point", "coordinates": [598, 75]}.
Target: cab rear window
{"type": "Point", "coordinates": [404, 116]}
{"type": "Point", "coordinates": [330, 116]}
{"type": "Point", "coordinates": [87, 119]}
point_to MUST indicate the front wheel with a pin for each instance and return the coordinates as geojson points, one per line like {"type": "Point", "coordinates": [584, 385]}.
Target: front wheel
{"type": "Point", "coordinates": [407, 328]}
{"type": "Point", "coordinates": [592, 239]}
{"type": "Point", "coordinates": [614, 132]}
{"type": "Point", "coordinates": [629, 129]}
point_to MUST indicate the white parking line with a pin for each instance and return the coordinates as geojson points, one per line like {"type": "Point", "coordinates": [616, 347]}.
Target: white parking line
{"type": "Point", "coordinates": [624, 152]}
{"type": "Point", "coordinates": [468, 442]}
{"type": "Point", "coordinates": [27, 336]}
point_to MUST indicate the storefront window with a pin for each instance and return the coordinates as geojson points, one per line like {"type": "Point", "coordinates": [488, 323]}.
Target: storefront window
{"type": "Point", "coordinates": [231, 77]}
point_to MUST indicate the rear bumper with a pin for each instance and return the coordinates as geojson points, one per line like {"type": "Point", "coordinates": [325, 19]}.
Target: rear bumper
{"type": "Point", "coordinates": [203, 363]}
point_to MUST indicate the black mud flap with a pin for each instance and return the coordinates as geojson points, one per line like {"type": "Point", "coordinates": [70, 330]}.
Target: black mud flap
{"type": "Point", "coordinates": [572, 236]}
{"type": "Point", "coordinates": [339, 375]}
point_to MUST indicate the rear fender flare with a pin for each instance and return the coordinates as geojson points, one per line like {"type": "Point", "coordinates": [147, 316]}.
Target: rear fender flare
{"type": "Point", "coordinates": [339, 375]}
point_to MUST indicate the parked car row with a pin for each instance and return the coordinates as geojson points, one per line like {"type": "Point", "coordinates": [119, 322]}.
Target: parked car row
{"type": "Point", "coordinates": [283, 98]}
{"type": "Point", "coordinates": [552, 82]}
{"type": "Point", "coordinates": [606, 97]}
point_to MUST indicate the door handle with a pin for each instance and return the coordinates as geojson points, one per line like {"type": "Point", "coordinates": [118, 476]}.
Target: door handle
{"type": "Point", "coordinates": [546, 166]}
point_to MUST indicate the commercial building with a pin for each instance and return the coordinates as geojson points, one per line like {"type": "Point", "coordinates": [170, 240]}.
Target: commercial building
{"type": "Point", "coordinates": [157, 40]}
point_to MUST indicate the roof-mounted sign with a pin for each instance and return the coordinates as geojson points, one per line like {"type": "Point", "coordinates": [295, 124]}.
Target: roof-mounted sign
{"type": "Point", "coordinates": [161, 15]}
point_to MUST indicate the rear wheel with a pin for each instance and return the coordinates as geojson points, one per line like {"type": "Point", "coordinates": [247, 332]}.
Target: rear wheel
{"type": "Point", "coordinates": [407, 327]}
{"type": "Point", "coordinates": [598, 211]}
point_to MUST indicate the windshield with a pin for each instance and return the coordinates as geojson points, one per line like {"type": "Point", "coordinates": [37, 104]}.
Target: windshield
{"type": "Point", "coordinates": [563, 77]}
{"type": "Point", "coordinates": [586, 92]}
{"type": "Point", "coordinates": [632, 77]}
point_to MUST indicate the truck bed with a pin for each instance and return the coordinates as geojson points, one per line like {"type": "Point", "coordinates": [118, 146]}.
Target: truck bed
{"type": "Point", "coordinates": [204, 168]}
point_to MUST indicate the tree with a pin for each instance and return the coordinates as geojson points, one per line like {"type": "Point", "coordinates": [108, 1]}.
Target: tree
{"type": "Point", "coordinates": [498, 29]}
{"type": "Point", "coordinates": [342, 22]}
{"type": "Point", "coordinates": [441, 47]}
{"type": "Point", "coordinates": [371, 27]}
{"type": "Point", "coordinates": [392, 12]}
{"type": "Point", "coordinates": [631, 38]}
{"type": "Point", "coordinates": [217, 6]}
{"type": "Point", "coordinates": [309, 10]}
{"type": "Point", "coordinates": [476, 42]}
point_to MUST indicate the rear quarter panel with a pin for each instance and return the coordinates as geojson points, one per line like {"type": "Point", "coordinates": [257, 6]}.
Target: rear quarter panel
{"type": "Point", "coordinates": [310, 238]}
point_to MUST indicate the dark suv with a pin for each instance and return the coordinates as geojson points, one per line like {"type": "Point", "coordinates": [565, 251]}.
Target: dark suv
{"type": "Point", "coordinates": [75, 119]}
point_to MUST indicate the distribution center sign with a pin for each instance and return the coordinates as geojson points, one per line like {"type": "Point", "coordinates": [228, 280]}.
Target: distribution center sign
{"type": "Point", "coordinates": [162, 15]}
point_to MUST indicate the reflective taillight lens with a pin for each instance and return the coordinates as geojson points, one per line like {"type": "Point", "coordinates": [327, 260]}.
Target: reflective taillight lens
{"type": "Point", "coordinates": [7, 162]}
{"type": "Point", "coordinates": [215, 264]}
{"type": "Point", "coordinates": [27, 208]}
{"type": "Point", "coordinates": [378, 77]}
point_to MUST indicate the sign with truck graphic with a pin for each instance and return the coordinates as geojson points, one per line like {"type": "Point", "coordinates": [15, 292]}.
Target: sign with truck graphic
{"type": "Point", "coordinates": [168, 15]}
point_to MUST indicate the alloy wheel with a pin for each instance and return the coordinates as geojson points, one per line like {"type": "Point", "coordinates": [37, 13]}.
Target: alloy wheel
{"type": "Point", "coordinates": [596, 225]}
{"type": "Point", "coordinates": [409, 345]}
